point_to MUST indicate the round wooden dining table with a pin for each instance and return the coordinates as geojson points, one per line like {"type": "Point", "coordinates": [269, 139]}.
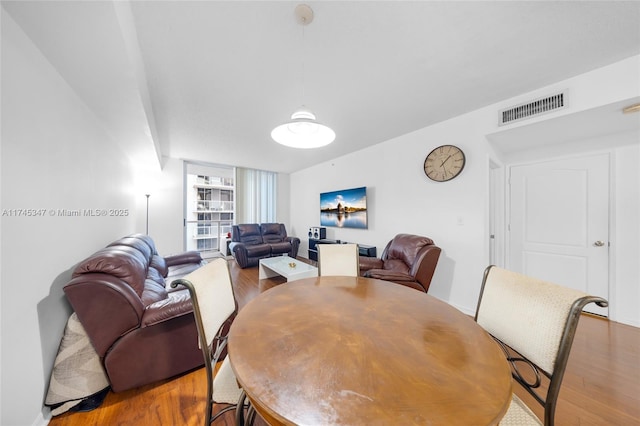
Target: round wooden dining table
{"type": "Point", "coordinates": [360, 351]}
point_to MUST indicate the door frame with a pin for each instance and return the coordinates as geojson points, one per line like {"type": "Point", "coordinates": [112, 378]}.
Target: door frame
{"type": "Point", "coordinates": [496, 223]}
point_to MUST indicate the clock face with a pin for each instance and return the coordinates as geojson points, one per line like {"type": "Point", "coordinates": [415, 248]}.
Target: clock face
{"type": "Point", "coordinates": [444, 163]}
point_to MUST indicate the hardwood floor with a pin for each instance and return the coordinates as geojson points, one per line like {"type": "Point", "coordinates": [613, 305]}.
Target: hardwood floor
{"type": "Point", "coordinates": [601, 384]}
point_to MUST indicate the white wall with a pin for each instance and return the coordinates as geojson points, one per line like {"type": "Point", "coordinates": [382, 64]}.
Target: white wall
{"type": "Point", "coordinates": [166, 208]}
{"type": "Point", "coordinates": [455, 214]}
{"type": "Point", "coordinates": [55, 155]}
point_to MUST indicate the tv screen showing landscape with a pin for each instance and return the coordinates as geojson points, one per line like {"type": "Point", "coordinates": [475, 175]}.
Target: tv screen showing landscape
{"type": "Point", "coordinates": [344, 209]}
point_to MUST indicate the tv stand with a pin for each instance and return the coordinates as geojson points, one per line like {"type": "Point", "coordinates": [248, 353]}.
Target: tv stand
{"type": "Point", "coordinates": [368, 251]}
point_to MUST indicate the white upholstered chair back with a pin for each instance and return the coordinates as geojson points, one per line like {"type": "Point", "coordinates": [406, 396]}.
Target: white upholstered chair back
{"type": "Point", "coordinates": [213, 302]}
{"type": "Point", "coordinates": [526, 313]}
{"type": "Point", "coordinates": [537, 319]}
{"type": "Point", "coordinates": [338, 259]}
{"type": "Point", "coordinates": [214, 295]}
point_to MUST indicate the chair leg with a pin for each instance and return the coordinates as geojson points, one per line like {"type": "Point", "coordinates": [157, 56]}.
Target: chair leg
{"type": "Point", "coordinates": [240, 410]}
{"type": "Point", "coordinates": [241, 418]}
{"type": "Point", "coordinates": [251, 415]}
{"type": "Point", "coordinates": [209, 418]}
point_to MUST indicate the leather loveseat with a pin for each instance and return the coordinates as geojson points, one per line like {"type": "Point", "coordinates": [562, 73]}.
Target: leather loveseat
{"type": "Point", "coordinates": [407, 259]}
{"type": "Point", "coordinates": [142, 330]}
{"type": "Point", "coordinates": [251, 242]}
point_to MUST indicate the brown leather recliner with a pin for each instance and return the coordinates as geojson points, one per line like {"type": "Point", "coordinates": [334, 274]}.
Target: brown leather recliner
{"type": "Point", "coordinates": [141, 330]}
{"type": "Point", "coordinates": [407, 259]}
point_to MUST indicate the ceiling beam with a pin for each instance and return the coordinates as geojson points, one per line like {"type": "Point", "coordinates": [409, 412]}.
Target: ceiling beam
{"type": "Point", "coordinates": [130, 36]}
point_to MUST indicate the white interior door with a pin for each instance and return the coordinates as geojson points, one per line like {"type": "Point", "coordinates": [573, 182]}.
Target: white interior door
{"type": "Point", "coordinates": [559, 223]}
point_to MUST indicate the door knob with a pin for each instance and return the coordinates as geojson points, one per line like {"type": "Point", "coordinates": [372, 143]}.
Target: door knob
{"type": "Point", "coordinates": [599, 243]}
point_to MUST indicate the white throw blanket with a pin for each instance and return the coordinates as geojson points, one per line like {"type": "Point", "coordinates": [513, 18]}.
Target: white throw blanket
{"type": "Point", "coordinates": [77, 372]}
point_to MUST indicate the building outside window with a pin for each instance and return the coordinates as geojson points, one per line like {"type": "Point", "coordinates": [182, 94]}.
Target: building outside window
{"type": "Point", "coordinates": [209, 208]}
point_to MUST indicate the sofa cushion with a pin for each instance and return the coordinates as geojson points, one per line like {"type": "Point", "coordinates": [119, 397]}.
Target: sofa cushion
{"type": "Point", "coordinates": [154, 275]}
{"type": "Point", "coordinates": [158, 263]}
{"type": "Point", "coordinates": [154, 288]}
{"type": "Point", "coordinates": [281, 247]}
{"type": "Point", "coordinates": [272, 233]}
{"type": "Point", "coordinates": [258, 250]}
{"type": "Point", "coordinates": [406, 247]}
{"type": "Point", "coordinates": [136, 243]}
{"type": "Point", "coordinates": [123, 262]}
{"type": "Point", "coordinates": [153, 292]}
{"type": "Point", "coordinates": [249, 233]}
{"type": "Point", "coordinates": [396, 265]}
{"type": "Point", "coordinates": [147, 239]}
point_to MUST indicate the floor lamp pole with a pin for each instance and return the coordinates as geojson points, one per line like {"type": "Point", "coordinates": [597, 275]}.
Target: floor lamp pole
{"type": "Point", "coordinates": [147, 195]}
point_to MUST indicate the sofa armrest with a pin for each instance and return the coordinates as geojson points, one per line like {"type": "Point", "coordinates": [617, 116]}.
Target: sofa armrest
{"type": "Point", "coordinates": [182, 258]}
{"type": "Point", "coordinates": [388, 275]}
{"type": "Point", "coordinates": [295, 245]}
{"type": "Point", "coordinates": [367, 263]}
{"type": "Point", "coordinates": [176, 304]}
{"type": "Point", "coordinates": [234, 244]}
{"type": "Point", "coordinates": [396, 277]}
{"type": "Point", "coordinates": [106, 306]}
{"type": "Point", "coordinates": [424, 267]}
{"type": "Point", "coordinates": [239, 252]}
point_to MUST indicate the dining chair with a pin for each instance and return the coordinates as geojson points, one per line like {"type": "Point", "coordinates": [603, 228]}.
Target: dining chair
{"type": "Point", "coordinates": [534, 322]}
{"type": "Point", "coordinates": [213, 303]}
{"type": "Point", "coordinates": [338, 259]}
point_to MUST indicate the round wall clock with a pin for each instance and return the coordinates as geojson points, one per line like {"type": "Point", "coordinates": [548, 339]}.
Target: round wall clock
{"type": "Point", "coordinates": [444, 163]}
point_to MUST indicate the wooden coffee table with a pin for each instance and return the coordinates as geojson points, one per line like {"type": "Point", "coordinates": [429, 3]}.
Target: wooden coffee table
{"type": "Point", "coordinates": [347, 350]}
{"type": "Point", "coordinates": [287, 267]}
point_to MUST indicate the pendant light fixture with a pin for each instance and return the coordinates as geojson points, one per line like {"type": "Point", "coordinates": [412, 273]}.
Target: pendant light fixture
{"type": "Point", "coordinates": [303, 131]}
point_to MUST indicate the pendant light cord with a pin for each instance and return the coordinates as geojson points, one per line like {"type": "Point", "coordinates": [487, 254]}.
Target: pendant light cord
{"type": "Point", "coordinates": [304, 24]}
{"type": "Point", "coordinates": [303, 131]}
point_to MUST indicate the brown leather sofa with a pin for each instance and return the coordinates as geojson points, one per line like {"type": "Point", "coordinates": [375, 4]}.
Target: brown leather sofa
{"type": "Point", "coordinates": [251, 242]}
{"type": "Point", "coordinates": [407, 259]}
{"type": "Point", "coordinates": [143, 330]}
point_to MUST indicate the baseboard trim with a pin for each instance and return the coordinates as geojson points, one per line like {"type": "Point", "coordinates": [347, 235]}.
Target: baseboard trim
{"type": "Point", "coordinates": [41, 420]}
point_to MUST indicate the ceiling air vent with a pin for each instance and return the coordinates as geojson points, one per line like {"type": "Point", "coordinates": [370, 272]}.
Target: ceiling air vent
{"type": "Point", "coordinates": [531, 109]}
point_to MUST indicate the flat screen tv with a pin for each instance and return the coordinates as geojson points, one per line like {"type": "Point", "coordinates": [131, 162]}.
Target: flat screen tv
{"type": "Point", "coordinates": [344, 209]}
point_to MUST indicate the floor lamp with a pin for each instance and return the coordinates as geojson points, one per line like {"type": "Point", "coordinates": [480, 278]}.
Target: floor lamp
{"type": "Point", "coordinates": [147, 195]}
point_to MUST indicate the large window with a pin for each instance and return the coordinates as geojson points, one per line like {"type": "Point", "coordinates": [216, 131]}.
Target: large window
{"type": "Point", "coordinates": [217, 196]}
{"type": "Point", "coordinates": [209, 207]}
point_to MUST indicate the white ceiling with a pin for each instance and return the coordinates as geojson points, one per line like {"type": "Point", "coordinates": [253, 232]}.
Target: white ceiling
{"type": "Point", "coordinates": [208, 80]}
